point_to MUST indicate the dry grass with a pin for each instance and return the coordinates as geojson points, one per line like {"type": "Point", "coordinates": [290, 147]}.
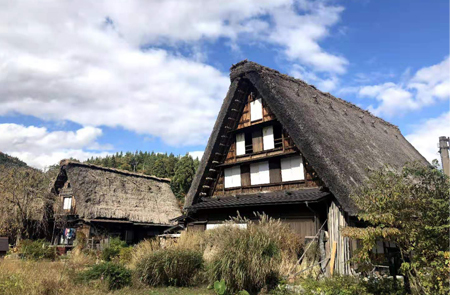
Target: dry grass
{"type": "Point", "coordinates": [19, 277]}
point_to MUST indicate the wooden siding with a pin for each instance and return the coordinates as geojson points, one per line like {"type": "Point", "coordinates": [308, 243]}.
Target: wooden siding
{"type": "Point", "coordinates": [300, 219]}
{"type": "Point", "coordinates": [303, 227]}
{"type": "Point", "coordinates": [311, 180]}
{"type": "Point", "coordinates": [244, 121]}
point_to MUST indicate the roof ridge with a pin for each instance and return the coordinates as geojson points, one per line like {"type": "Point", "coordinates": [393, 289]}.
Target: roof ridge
{"type": "Point", "coordinates": [236, 70]}
{"type": "Point", "coordinates": [66, 162]}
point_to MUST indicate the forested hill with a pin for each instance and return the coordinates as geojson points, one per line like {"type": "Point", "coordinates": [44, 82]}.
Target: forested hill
{"type": "Point", "coordinates": [180, 169]}
{"type": "Point", "coordinates": [11, 161]}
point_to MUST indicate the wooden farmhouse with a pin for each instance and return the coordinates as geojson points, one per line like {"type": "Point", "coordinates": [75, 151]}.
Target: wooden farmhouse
{"type": "Point", "coordinates": [283, 148]}
{"type": "Point", "coordinates": [100, 203]}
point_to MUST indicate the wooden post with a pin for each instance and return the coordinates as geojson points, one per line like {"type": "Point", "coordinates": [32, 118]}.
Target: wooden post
{"type": "Point", "coordinates": [333, 257]}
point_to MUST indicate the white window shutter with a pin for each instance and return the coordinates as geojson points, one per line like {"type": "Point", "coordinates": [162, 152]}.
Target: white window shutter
{"type": "Point", "coordinates": [292, 169]}
{"type": "Point", "coordinates": [268, 138]}
{"type": "Point", "coordinates": [228, 177]}
{"type": "Point", "coordinates": [285, 169]}
{"type": "Point", "coordinates": [297, 172]}
{"type": "Point", "coordinates": [256, 110]}
{"type": "Point", "coordinates": [240, 144]}
{"type": "Point", "coordinates": [254, 173]}
{"type": "Point", "coordinates": [236, 176]}
{"type": "Point", "coordinates": [264, 172]}
{"type": "Point", "coordinates": [233, 176]}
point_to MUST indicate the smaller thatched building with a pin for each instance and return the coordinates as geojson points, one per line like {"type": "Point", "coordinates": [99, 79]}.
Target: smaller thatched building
{"type": "Point", "coordinates": [99, 203]}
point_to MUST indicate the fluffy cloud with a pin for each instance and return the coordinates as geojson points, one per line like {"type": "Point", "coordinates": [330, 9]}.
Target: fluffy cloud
{"type": "Point", "coordinates": [197, 154]}
{"type": "Point", "coordinates": [426, 87]}
{"type": "Point", "coordinates": [113, 63]}
{"type": "Point", "coordinates": [425, 137]}
{"type": "Point", "coordinates": [40, 148]}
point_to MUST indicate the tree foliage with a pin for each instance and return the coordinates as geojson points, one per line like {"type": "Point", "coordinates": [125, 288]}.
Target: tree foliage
{"type": "Point", "coordinates": [411, 209]}
{"type": "Point", "coordinates": [180, 170]}
{"type": "Point", "coordinates": [24, 201]}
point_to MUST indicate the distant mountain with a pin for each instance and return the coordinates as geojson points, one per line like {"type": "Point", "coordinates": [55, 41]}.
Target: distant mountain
{"type": "Point", "coordinates": [11, 161]}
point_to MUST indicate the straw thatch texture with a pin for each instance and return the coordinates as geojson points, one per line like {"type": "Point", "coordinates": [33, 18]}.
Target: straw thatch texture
{"type": "Point", "coordinates": [114, 194]}
{"type": "Point", "coordinates": [341, 141]}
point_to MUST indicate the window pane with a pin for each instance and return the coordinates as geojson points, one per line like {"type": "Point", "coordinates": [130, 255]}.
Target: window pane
{"type": "Point", "coordinates": [67, 203]}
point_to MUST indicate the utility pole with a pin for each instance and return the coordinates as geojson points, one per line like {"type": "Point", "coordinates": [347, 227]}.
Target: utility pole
{"type": "Point", "coordinates": [443, 150]}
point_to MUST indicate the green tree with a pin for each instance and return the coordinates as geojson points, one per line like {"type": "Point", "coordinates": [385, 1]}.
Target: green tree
{"type": "Point", "coordinates": [411, 209]}
{"type": "Point", "coordinates": [184, 174]}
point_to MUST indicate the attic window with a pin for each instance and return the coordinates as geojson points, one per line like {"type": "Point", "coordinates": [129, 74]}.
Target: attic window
{"type": "Point", "coordinates": [67, 204]}
{"type": "Point", "coordinates": [256, 110]}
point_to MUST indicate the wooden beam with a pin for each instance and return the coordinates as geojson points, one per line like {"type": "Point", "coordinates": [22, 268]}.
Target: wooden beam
{"type": "Point", "coordinates": [333, 257]}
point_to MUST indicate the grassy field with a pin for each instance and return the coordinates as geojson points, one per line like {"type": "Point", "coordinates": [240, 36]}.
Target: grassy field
{"type": "Point", "coordinates": [48, 278]}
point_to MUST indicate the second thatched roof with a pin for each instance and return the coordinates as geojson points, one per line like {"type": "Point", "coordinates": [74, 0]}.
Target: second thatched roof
{"type": "Point", "coordinates": [106, 193]}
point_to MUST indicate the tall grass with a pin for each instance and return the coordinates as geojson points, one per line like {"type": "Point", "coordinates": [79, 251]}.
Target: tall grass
{"type": "Point", "coordinates": [252, 258]}
{"type": "Point", "coordinates": [170, 267]}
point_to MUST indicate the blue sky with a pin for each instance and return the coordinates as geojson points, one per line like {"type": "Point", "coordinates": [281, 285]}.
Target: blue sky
{"type": "Point", "coordinates": [82, 79]}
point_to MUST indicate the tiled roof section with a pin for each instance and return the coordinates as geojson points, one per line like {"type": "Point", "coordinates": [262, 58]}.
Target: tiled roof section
{"type": "Point", "coordinates": [270, 198]}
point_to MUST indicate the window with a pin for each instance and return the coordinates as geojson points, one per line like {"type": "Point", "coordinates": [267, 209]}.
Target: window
{"type": "Point", "coordinates": [259, 173]}
{"type": "Point", "coordinates": [268, 141]}
{"type": "Point", "coordinates": [256, 110]}
{"type": "Point", "coordinates": [292, 169]}
{"type": "Point", "coordinates": [233, 177]}
{"type": "Point", "coordinates": [67, 205]}
{"type": "Point", "coordinates": [240, 144]}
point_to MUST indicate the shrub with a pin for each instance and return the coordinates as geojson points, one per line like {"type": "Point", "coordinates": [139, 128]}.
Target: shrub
{"type": "Point", "coordinates": [35, 250]}
{"type": "Point", "coordinates": [116, 275]}
{"type": "Point", "coordinates": [350, 285]}
{"type": "Point", "coordinates": [383, 286]}
{"type": "Point", "coordinates": [113, 249]}
{"type": "Point", "coordinates": [338, 285]}
{"type": "Point", "coordinates": [170, 267]}
{"type": "Point", "coordinates": [251, 259]}
{"type": "Point", "coordinates": [125, 255]}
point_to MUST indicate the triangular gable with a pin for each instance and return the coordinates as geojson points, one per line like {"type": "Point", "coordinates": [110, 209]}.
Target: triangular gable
{"type": "Point", "coordinates": [341, 141]}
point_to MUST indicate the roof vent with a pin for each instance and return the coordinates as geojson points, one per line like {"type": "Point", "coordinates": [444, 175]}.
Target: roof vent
{"type": "Point", "coordinates": [373, 123]}
{"type": "Point", "coordinates": [361, 116]}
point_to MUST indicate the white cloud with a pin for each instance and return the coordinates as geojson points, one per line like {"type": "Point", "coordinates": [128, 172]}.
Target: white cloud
{"type": "Point", "coordinates": [196, 154]}
{"type": "Point", "coordinates": [41, 148]}
{"type": "Point", "coordinates": [428, 86]}
{"type": "Point", "coordinates": [95, 62]}
{"type": "Point", "coordinates": [425, 137]}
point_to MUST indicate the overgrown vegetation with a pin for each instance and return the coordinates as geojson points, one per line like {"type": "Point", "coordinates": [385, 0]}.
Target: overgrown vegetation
{"type": "Point", "coordinates": [350, 285]}
{"type": "Point", "coordinates": [24, 201]}
{"type": "Point", "coordinates": [170, 267]}
{"type": "Point", "coordinates": [410, 209]}
{"type": "Point", "coordinates": [114, 248]}
{"type": "Point", "coordinates": [180, 169]}
{"type": "Point", "coordinates": [36, 250]}
{"type": "Point", "coordinates": [116, 275]}
{"type": "Point", "coordinates": [250, 259]}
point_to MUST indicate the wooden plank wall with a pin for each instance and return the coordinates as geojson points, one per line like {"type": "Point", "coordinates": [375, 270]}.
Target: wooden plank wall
{"type": "Point", "coordinates": [336, 221]}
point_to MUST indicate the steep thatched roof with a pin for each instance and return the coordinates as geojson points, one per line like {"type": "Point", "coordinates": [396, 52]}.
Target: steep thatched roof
{"type": "Point", "coordinates": [340, 140]}
{"type": "Point", "coordinates": [101, 192]}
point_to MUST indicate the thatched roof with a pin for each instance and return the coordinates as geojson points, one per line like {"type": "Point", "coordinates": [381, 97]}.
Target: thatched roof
{"type": "Point", "coordinates": [341, 141]}
{"type": "Point", "coordinates": [106, 193]}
